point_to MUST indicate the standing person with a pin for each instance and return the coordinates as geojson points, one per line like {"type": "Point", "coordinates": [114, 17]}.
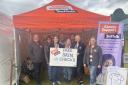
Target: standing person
{"type": "Point", "coordinates": [61, 41]}
{"type": "Point", "coordinates": [47, 54]}
{"type": "Point", "coordinates": [36, 55]}
{"type": "Point", "coordinates": [55, 71]}
{"type": "Point", "coordinates": [74, 71]}
{"type": "Point", "coordinates": [93, 59]}
{"type": "Point", "coordinates": [72, 39]}
{"type": "Point", "coordinates": [80, 47]}
{"type": "Point", "coordinates": [67, 70]}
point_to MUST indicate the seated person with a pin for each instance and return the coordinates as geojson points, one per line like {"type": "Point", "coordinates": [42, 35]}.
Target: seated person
{"type": "Point", "coordinates": [27, 68]}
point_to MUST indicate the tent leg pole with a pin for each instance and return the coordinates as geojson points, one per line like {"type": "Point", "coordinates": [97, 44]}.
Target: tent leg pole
{"type": "Point", "coordinates": [15, 56]}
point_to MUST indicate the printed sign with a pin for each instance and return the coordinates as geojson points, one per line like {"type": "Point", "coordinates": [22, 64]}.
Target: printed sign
{"type": "Point", "coordinates": [63, 57]}
{"type": "Point", "coordinates": [116, 76]}
{"type": "Point", "coordinates": [110, 40]}
{"type": "Point", "coordinates": [59, 7]}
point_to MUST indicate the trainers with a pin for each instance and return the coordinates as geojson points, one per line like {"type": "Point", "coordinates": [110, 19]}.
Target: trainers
{"type": "Point", "coordinates": [58, 82]}
{"type": "Point", "coordinates": [54, 83]}
{"type": "Point", "coordinates": [81, 83]}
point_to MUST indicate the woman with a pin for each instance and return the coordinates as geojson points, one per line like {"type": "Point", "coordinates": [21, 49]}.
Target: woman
{"type": "Point", "coordinates": [55, 71]}
{"type": "Point", "coordinates": [67, 70]}
{"type": "Point", "coordinates": [93, 59]}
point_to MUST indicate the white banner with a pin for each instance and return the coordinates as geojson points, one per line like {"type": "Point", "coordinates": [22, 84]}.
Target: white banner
{"type": "Point", "coordinates": [63, 57]}
{"type": "Point", "coordinates": [116, 76]}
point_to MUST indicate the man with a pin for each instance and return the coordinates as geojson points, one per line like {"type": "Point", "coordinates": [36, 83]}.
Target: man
{"type": "Point", "coordinates": [72, 37]}
{"type": "Point", "coordinates": [36, 55]}
{"type": "Point", "coordinates": [46, 49]}
{"type": "Point", "coordinates": [61, 41]}
{"type": "Point", "coordinates": [47, 54]}
{"type": "Point", "coordinates": [80, 47]}
{"type": "Point", "coordinates": [93, 59]}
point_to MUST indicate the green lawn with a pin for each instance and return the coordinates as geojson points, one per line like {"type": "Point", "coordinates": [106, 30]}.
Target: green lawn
{"type": "Point", "coordinates": [126, 46]}
{"type": "Point", "coordinates": [46, 82]}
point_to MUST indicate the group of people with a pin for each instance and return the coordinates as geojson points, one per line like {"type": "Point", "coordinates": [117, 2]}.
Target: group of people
{"type": "Point", "coordinates": [87, 56]}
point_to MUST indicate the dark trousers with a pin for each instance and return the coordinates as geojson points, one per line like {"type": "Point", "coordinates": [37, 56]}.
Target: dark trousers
{"type": "Point", "coordinates": [80, 73]}
{"type": "Point", "coordinates": [37, 72]}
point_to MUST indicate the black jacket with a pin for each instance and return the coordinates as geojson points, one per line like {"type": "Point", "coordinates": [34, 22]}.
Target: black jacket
{"type": "Point", "coordinates": [60, 45]}
{"type": "Point", "coordinates": [80, 50]}
{"type": "Point", "coordinates": [47, 52]}
{"type": "Point", "coordinates": [36, 52]}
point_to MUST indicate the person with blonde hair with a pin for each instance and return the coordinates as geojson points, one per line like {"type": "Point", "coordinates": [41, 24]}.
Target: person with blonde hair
{"type": "Point", "coordinates": [67, 70]}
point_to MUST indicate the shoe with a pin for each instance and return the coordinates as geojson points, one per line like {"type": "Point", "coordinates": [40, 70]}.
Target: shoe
{"type": "Point", "coordinates": [54, 83]}
{"type": "Point", "coordinates": [58, 83]}
{"type": "Point", "coordinates": [81, 82]}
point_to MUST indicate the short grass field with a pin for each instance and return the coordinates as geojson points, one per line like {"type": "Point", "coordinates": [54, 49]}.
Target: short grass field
{"type": "Point", "coordinates": [46, 82]}
{"type": "Point", "coordinates": [126, 46]}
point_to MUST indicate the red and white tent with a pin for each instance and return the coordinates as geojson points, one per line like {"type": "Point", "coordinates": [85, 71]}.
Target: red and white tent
{"type": "Point", "coordinates": [58, 14]}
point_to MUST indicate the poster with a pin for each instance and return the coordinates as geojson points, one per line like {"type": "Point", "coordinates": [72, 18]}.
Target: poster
{"type": "Point", "coordinates": [110, 39]}
{"type": "Point", "coordinates": [116, 76]}
{"type": "Point", "coordinates": [63, 57]}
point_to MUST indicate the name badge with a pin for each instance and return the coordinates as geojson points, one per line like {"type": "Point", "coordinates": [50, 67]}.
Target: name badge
{"type": "Point", "coordinates": [40, 46]}
{"type": "Point", "coordinates": [90, 60]}
{"type": "Point", "coordinates": [91, 56]}
{"type": "Point", "coordinates": [95, 50]}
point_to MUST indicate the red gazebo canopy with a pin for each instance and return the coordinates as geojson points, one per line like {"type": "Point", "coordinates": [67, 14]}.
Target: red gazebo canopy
{"type": "Point", "coordinates": [59, 14]}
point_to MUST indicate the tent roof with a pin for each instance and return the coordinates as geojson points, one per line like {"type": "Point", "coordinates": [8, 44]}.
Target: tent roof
{"type": "Point", "coordinates": [58, 14]}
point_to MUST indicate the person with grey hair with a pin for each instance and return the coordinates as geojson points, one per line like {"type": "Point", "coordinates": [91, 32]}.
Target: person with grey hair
{"type": "Point", "coordinates": [80, 54]}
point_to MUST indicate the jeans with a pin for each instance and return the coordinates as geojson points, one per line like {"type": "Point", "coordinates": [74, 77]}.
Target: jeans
{"type": "Point", "coordinates": [37, 73]}
{"type": "Point", "coordinates": [55, 73]}
{"type": "Point", "coordinates": [93, 70]}
{"type": "Point", "coordinates": [50, 73]}
{"type": "Point", "coordinates": [67, 73]}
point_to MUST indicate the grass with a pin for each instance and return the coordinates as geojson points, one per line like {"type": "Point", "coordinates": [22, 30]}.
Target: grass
{"type": "Point", "coordinates": [46, 82]}
{"type": "Point", "coordinates": [126, 46]}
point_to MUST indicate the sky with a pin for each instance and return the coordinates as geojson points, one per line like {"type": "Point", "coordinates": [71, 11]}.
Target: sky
{"type": "Point", "coordinates": [105, 7]}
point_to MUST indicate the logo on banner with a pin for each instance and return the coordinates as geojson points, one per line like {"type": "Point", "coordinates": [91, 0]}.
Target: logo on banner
{"type": "Point", "coordinates": [61, 9]}
{"type": "Point", "coordinates": [109, 28]}
{"type": "Point", "coordinates": [110, 31]}
{"type": "Point", "coordinates": [55, 52]}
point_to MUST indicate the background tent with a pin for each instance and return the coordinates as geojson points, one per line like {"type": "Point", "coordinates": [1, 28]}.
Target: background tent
{"type": "Point", "coordinates": [56, 17]}
{"type": "Point", "coordinates": [58, 14]}
{"type": "Point", "coordinates": [6, 50]}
